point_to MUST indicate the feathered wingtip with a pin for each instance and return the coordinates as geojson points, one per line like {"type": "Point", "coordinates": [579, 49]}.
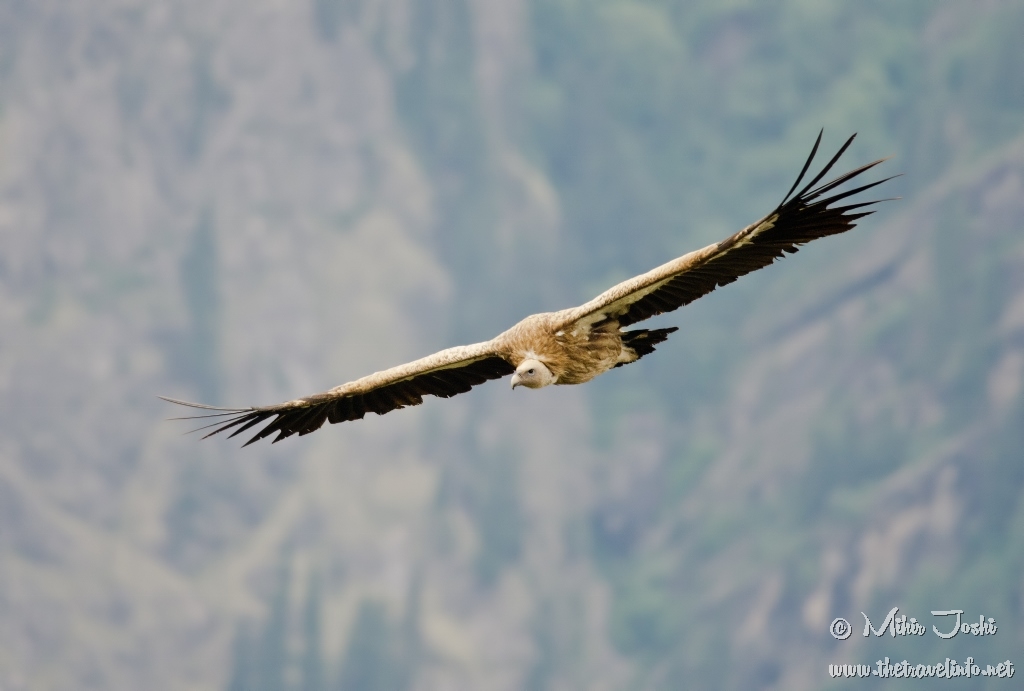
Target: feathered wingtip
{"type": "Point", "coordinates": [288, 419]}
{"type": "Point", "coordinates": [807, 194]}
{"type": "Point", "coordinates": [234, 415]}
{"type": "Point", "coordinates": [202, 406]}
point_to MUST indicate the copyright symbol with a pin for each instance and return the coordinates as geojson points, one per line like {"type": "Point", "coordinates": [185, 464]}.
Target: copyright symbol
{"type": "Point", "coordinates": [840, 629]}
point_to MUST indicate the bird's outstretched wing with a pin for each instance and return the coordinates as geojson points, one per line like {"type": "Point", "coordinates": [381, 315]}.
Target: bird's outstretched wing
{"type": "Point", "coordinates": [799, 219]}
{"type": "Point", "coordinates": [445, 374]}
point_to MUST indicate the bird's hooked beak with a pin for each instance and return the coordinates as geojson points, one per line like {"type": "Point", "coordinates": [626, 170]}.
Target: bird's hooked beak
{"type": "Point", "coordinates": [516, 381]}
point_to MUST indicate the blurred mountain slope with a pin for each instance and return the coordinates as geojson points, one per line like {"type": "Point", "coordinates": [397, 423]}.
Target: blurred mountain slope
{"type": "Point", "coordinates": [246, 202]}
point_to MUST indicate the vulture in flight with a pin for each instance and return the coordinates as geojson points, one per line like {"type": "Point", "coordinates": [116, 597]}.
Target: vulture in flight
{"type": "Point", "coordinates": [574, 345]}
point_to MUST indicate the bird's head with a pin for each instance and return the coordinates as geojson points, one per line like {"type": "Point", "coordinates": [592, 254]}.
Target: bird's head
{"type": "Point", "coordinates": [533, 374]}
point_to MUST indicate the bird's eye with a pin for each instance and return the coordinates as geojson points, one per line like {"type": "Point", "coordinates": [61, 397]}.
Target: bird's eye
{"type": "Point", "coordinates": [529, 371]}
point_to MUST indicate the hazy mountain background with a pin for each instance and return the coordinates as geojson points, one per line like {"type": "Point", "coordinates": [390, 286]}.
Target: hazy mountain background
{"type": "Point", "coordinates": [242, 202]}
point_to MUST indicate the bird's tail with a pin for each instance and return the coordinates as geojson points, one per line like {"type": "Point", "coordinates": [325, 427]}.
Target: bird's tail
{"type": "Point", "coordinates": [642, 341]}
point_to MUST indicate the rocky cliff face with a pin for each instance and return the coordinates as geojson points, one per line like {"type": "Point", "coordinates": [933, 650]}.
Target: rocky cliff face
{"type": "Point", "coordinates": [246, 202]}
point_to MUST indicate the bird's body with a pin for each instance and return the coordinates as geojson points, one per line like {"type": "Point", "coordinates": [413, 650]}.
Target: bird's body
{"type": "Point", "coordinates": [574, 345]}
{"type": "Point", "coordinates": [572, 355]}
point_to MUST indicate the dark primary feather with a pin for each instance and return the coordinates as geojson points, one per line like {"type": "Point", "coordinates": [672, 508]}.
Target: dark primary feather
{"type": "Point", "coordinates": [801, 218]}
{"type": "Point", "coordinates": [309, 415]}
